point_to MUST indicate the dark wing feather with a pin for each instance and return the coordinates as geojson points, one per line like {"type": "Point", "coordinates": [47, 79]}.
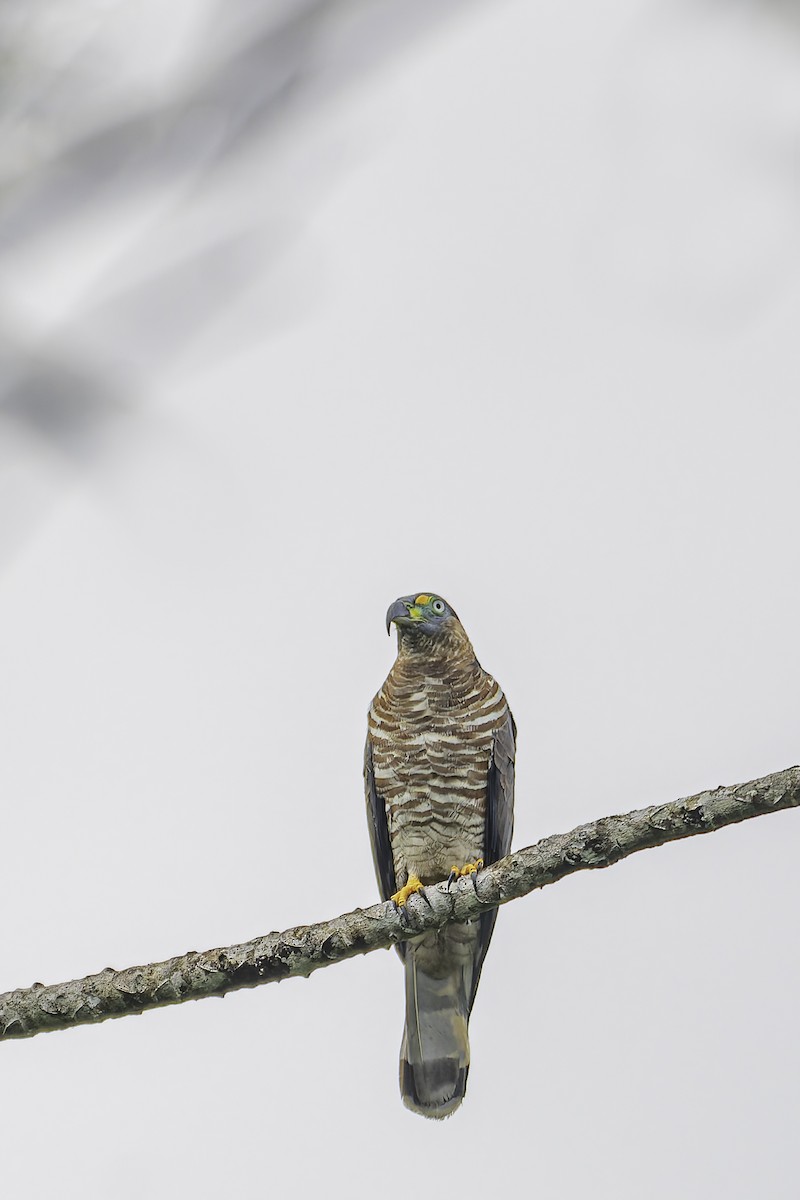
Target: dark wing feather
{"type": "Point", "coordinates": [500, 794]}
{"type": "Point", "coordinates": [378, 829]}
{"type": "Point", "coordinates": [499, 825]}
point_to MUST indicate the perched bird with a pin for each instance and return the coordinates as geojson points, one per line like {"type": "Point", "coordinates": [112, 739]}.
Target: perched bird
{"type": "Point", "coordinates": [439, 780]}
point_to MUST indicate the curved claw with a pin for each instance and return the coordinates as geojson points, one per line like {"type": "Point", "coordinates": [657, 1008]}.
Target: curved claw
{"type": "Point", "coordinates": [413, 886]}
{"type": "Point", "coordinates": [471, 869]}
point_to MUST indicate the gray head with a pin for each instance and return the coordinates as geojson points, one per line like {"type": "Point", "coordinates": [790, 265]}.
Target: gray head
{"type": "Point", "coordinates": [422, 613]}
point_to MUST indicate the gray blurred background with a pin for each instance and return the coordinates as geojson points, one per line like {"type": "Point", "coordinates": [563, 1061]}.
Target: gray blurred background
{"type": "Point", "coordinates": [304, 306]}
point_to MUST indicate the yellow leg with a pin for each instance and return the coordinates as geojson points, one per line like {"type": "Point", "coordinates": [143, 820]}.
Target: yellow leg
{"type": "Point", "coordinates": [414, 885]}
{"type": "Point", "coordinates": [467, 869]}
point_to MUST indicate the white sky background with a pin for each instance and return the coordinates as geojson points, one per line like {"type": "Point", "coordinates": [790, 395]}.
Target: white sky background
{"type": "Point", "coordinates": [510, 314]}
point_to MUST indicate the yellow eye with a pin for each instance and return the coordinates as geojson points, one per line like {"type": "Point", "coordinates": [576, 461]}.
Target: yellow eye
{"type": "Point", "coordinates": [438, 606]}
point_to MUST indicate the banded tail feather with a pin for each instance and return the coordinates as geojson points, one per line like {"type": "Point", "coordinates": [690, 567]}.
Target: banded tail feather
{"type": "Point", "coordinates": [434, 1056]}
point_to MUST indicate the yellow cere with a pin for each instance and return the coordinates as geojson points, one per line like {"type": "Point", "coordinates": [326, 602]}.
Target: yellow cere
{"type": "Point", "coordinates": [423, 600]}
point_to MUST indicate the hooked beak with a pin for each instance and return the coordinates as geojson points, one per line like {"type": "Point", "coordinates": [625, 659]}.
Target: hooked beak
{"type": "Point", "coordinates": [400, 611]}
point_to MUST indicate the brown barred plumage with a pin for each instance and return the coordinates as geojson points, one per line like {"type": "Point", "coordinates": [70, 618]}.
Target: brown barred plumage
{"type": "Point", "coordinates": [439, 772]}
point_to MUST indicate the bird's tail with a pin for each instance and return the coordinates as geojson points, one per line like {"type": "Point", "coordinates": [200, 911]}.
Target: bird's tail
{"type": "Point", "coordinates": [434, 1056]}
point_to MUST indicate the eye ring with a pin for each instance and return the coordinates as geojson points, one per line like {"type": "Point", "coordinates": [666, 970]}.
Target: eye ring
{"type": "Point", "coordinates": [438, 606]}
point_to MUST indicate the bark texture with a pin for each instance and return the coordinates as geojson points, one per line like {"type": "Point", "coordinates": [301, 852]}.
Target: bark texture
{"type": "Point", "coordinates": [300, 951]}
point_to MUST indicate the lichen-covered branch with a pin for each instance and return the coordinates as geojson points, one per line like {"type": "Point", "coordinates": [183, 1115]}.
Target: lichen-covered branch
{"type": "Point", "coordinates": [300, 951]}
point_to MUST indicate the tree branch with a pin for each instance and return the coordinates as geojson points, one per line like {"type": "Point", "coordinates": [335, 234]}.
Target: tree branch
{"type": "Point", "coordinates": [300, 951]}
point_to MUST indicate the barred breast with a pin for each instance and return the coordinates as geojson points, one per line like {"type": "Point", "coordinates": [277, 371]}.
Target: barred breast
{"type": "Point", "coordinates": [432, 726]}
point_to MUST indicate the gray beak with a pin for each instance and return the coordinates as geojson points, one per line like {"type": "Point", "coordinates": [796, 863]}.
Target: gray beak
{"type": "Point", "coordinates": [397, 610]}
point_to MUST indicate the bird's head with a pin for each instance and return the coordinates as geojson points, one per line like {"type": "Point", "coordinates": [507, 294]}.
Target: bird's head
{"type": "Point", "coordinates": [424, 614]}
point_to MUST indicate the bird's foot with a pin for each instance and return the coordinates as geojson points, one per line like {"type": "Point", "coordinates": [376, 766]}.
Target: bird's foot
{"type": "Point", "coordinates": [413, 886]}
{"type": "Point", "coordinates": [468, 869]}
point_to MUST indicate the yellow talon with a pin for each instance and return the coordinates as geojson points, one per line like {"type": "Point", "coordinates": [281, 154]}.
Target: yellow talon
{"type": "Point", "coordinates": [414, 885]}
{"type": "Point", "coordinates": [467, 869]}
